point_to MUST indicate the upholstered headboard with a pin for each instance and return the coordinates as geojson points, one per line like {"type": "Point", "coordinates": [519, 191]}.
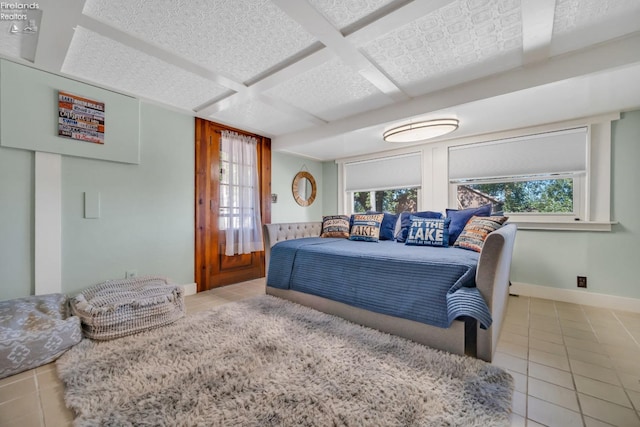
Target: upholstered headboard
{"type": "Point", "coordinates": [274, 233]}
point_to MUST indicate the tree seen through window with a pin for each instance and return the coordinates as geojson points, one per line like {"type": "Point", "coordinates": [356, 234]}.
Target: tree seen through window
{"type": "Point", "coordinates": [535, 196]}
{"type": "Point", "coordinates": [394, 201]}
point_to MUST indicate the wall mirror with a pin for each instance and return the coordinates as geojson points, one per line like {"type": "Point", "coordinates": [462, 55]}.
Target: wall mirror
{"type": "Point", "coordinates": [304, 188]}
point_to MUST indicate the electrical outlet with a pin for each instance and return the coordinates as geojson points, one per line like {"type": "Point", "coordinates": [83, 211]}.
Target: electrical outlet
{"type": "Point", "coordinates": [130, 274]}
{"type": "Point", "coordinates": [582, 281]}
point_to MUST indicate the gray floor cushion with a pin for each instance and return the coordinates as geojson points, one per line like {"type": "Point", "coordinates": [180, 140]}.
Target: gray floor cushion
{"type": "Point", "coordinates": [35, 330]}
{"type": "Point", "coordinates": [117, 308]}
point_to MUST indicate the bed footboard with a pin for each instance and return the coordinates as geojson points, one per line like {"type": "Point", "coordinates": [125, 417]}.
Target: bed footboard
{"type": "Point", "coordinates": [492, 280]}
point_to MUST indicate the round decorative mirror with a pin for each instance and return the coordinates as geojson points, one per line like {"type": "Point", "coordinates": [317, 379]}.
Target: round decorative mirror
{"type": "Point", "coordinates": [304, 188]}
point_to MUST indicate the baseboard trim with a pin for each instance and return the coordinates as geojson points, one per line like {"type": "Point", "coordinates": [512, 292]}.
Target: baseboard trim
{"type": "Point", "coordinates": [190, 289]}
{"type": "Point", "coordinates": [576, 297]}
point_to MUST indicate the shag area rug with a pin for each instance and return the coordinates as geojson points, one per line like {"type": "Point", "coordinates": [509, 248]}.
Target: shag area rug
{"type": "Point", "coordinates": [269, 362]}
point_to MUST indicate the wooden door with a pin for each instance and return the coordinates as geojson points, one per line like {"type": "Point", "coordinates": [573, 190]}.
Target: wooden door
{"type": "Point", "coordinates": [212, 267]}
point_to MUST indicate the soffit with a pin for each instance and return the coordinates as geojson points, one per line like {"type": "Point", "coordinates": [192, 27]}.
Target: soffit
{"type": "Point", "coordinates": [255, 116]}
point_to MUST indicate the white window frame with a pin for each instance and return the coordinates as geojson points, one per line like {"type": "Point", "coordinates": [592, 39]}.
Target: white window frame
{"type": "Point", "coordinates": [592, 194]}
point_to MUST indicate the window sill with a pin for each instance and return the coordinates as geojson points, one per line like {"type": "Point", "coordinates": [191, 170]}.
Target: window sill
{"type": "Point", "coordinates": [564, 225]}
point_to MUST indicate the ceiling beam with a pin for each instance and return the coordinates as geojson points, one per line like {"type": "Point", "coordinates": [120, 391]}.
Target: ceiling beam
{"type": "Point", "coordinates": [59, 18]}
{"type": "Point", "coordinates": [615, 54]}
{"type": "Point", "coordinates": [317, 25]}
{"type": "Point", "coordinates": [396, 19]}
{"type": "Point", "coordinates": [537, 29]}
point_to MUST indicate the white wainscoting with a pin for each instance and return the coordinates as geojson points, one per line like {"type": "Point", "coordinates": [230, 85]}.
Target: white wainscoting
{"type": "Point", "coordinates": [576, 296]}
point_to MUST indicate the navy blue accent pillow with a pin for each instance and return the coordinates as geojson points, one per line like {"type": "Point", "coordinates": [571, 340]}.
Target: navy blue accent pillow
{"type": "Point", "coordinates": [459, 219]}
{"type": "Point", "coordinates": [405, 222]}
{"type": "Point", "coordinates": [388, 226]}
{"type": "Point", "coordinates": [428, 232]}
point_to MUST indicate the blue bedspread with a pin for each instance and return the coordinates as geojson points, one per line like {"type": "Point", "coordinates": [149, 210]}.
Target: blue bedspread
{"type": "Point", "coordinates": [431, 285]}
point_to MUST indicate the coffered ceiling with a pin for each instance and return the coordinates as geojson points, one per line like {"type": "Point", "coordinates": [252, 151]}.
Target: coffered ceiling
{"type": "Point", "coordinates": [324, 78]}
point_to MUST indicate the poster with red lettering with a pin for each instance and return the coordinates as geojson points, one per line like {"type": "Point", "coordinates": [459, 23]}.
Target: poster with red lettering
{"type": "Point", "coordinates": [80, 118]}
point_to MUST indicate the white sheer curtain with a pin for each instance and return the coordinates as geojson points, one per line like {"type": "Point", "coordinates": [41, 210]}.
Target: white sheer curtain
{"type": "Point", "coordinates": [244, 225]}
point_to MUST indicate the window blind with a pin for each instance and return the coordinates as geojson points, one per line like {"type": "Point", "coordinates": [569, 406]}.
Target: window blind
{"type": "Point", "coordinates": [562, 152]}
{"type": "Point", "coordinates": [384, 174]}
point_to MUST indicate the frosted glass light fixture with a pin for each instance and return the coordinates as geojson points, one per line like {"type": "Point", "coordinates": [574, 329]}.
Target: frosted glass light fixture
{"type": "Point", "coordinates": [419, 131]}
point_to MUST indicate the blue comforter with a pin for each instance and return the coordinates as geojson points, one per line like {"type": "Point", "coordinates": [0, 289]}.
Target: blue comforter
{"type": "Point", "coordinates": [431, 285]}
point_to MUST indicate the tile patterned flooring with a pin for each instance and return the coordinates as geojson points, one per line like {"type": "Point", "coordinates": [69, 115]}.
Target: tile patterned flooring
{"type": "Point", "coordinates": [573, 365]}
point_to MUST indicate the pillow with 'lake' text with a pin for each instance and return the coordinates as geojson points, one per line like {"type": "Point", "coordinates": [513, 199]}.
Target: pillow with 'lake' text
{"type": "Point", "coordinates": [366, 227]}
{"type": "Point", "coordinates": [428, 232]}
{"type": "Point", "coordinates": [404, 222]}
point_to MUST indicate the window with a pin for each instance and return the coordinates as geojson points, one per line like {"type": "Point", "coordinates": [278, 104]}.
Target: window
{"type": "Point", "coordinates": [230, 189]}
{"type": "Point", "coordinates": [389, 184]}
{"type": "Point", "coordinates": [239, 214]}
{"type": "Point", "coordinates": [394, 201]}
{"type": "Point", "coordinates": [537, 176]}
{"type": "Point", "coordinates": [540, 196]}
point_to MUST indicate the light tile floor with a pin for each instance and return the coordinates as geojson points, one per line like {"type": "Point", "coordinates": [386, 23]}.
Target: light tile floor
{"type": "Point", "coordinates": [572, 365]}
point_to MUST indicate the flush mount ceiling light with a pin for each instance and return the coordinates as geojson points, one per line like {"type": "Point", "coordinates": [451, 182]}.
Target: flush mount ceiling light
{"type": "Point", "coordinates": [419, 131]}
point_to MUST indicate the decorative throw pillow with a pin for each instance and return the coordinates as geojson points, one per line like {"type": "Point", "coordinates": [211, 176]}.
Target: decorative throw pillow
{"type": "Point", "coordinates": [405, 222]}
{"type": "Point", "coordinates": [459, 219]}
{"type": "Point", "coordinates": [477, 230]}
{"type": "Point", "coordinates": [387, 228]}
{"type": "Point", "coordinates": [428, 232]}
{"type": "Point", "coordinates": [366, 227]}
{"type": "Point", "coordinates": [335, 226]}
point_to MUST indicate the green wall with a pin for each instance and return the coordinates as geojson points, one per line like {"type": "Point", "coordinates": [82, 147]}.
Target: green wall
{"type": "Point", "coordinates": [330, 185]}
{"type": "Point", "coordinates": [608, 259]}
{"type": "Point", "coordinates": [147, 210]}
{"type": "Point", "coordinates": [16, 223]}
{"type": "Point", "coordinates": [146, 221]}
{"type": "Point", "coordinates": [283, 168]}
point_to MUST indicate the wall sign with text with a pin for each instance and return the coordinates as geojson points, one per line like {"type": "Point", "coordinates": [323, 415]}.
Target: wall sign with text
{"type": "Point", "coordinates": [80, 118]}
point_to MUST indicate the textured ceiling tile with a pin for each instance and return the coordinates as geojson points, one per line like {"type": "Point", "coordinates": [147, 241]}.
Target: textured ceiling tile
{"type": "Point", "coordinates": [104, 61]}
{"type": "Point", "coordinates": [257, 115]}
{"type": "Point", "coordinates": [330, 91]}
{"type": "Point", "coordinates": [343, 13]}
{"type": "Point", "coordinates": [461, 34]}
{"type": "Point", "coordinates": [236, 38]}
{"type": "Point", "coordinates": [572, 15]}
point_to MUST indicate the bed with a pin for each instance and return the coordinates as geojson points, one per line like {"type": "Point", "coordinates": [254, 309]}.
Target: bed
{"type": "Point", "coordinates": [396, 288]}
